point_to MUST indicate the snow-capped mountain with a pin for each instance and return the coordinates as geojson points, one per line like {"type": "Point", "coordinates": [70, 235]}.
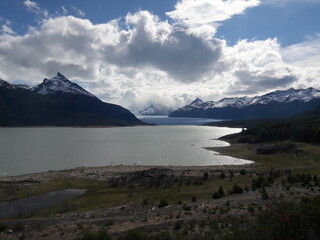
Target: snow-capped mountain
{"type": "Point", "coordinates": [58, 102]}
{"type": "Point", "coordinates": [152, 110]}
{"type": "Point", "coordinates": [289, 95]}
{"type": "Point", "coordinates": [59, 84]}
{"type": "Point", "coordinates": [231, 107]}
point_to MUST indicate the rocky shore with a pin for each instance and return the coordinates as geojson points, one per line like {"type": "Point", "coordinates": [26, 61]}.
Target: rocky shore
{"type": "Point", "coordinates": [108, 172]}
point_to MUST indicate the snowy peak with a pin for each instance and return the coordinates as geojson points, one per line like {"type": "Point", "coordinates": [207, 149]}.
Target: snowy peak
{"type": "Point", "coordinates": [197, 101]}
{"type": "Point", "coordinates": [59, 84]}
{"type": "Point", "coordinates": [302, 95]}
{"type": "Point", "coordinates": [152, 110]}
{"type": "Point", "coordinates": [289, 95]}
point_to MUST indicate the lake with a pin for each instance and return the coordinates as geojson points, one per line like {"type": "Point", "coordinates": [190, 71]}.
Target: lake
{"type": "Point", "coordinates": [29, 150]}
{"type": "Point", "coordinates": [164, 120]}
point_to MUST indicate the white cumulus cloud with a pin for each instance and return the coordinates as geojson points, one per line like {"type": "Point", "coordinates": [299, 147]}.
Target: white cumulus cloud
{"type": "Point", "coordinates": [199, 13]}
{"type": "Point", "coordinates": [141, 59]}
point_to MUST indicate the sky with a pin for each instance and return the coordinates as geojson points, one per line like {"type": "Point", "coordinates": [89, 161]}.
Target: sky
{"type": "Point", "coordinates": [137, 52]}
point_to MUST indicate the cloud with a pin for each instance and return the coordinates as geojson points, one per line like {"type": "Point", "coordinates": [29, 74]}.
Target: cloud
{"type": "Point", "coordinates": [305, 54]}
{"type": "Point", "coordinates": [5, 29]}
{"type": "Point", "coordinates": [81, 13]}
{"type": "Point", "coordinates": [282, 3]}
{"type": "Point", "coordinates": [33, 7]}
{"type": "Point", "coordinates": [197, 13]}
{"type": "Point", "coordinates": [208, 11]}
{"type": "Point", "coordinates": [140, 59]}
{"type": "Point", "coordinates": [257, 66]}
{"type": "Point", "coordinates": [64, 10]}
{"type": "Point", "coordinates": [153, 43]}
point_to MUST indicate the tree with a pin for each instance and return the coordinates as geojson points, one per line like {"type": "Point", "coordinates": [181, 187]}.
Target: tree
{"type": "Point", "coordinates": [220, 191]}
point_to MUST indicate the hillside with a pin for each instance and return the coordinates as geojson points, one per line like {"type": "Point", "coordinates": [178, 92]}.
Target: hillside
{"type": "Point", "coordinates": [58, 102]}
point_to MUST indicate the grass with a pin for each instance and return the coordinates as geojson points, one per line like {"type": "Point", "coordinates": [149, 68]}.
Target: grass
{"type": "Point", "coordinates": [308, 157]}
{"type": "Point", "coordinates": [101, 195]}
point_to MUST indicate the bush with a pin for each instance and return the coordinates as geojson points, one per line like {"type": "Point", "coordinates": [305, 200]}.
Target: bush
{"type": "Point", "coordinates": [237, 189]}
{"type": "Point", "coordinates": [264, 194]}
{"type": "Point", "coordinates": [3, 227]}
{"type": "Point", "coordinates": [205, 176]}
{"type": "Point", "coordinates": [216, 195]}
{"type": "Point", "coordinates": [185, 207]}
{"type": "Point", "coordinates": [220, 191]}
{"type": "Point", "coordinates": [177, 226]}
{"type": "Point", "coordinates": [163, 203]}
{"type": "Point", "coordinates": [243, 172]}
{"type": "Point", "coordinates": [144, 202]}
{"type": "Point", "coordinates": [109, 223]}
{"type": "Point", "coordinates": [222, 175]}
{"type": "Point", "coordinates": [133, 235]}
{"type": "Point", "coordinates": [283, 220]}
{"type": "Point", "coordinates": [100, 235]}
{"type": "Point", "coordinates": [18, 227]}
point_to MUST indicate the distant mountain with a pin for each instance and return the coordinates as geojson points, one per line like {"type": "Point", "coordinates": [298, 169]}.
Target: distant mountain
{"type": "Point", "coordinates": [276, 104]}
{"type": "Point", "coordinates": [153, 110]}
{"type": "Point", "coordinates": [59, 102]}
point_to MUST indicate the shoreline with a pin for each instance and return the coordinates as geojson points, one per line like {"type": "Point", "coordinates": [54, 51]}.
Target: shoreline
{"type": "Point", "coordinates": [105, 173]}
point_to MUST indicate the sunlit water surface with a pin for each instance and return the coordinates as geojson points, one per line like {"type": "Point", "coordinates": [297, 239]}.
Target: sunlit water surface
{"type": "Point", "coordinates": [29, 150]}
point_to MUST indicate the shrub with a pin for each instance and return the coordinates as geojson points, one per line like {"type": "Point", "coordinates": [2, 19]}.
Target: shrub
{"type": "Point", "coordinates": [18, 227]}
{"type": "Point", "coordinates": [205, 176]}
{"type": "Point", "coordinates": [243, 172]}
{"type": "Point", "coordinates": [109, 223]}
{"type": "Point", "coordinates": [185, 207]}
{"type": "Point", "coordinates": [220, 191]}
{"type": "Point", "coordinates": [264, 194]}
{"type": "Point", "coordinates": [216, 195]}
{"type": "Point", "coordinates": [144, 202]}
{"type": "Point", "coordinates": [237, 189]}
{"type": "Point", "coordinates": [163, 203]}
{"type": "Point", "coordinates": [177, 226]}
{"type": "Point", "coordinates": [100, 235]}
{"type": "Point", "coordinates": [3, 227]}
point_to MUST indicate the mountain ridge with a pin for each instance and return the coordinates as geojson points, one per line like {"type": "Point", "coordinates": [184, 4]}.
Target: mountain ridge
{"type": "Point", "coordinates": [152, 110]}
{"type": "Point", "coordinates": [275, 104]}
{"type": "Point", "coordinates": [58, 102]}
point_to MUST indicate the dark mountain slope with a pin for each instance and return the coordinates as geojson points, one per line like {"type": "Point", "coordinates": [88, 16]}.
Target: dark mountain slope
{"type": "Point", "coordinates": [71, 107]}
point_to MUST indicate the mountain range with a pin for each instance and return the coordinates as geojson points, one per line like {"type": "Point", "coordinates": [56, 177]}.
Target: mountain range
{"type": "Point", "coordinates": [277, 104]}
{"type": "Point", "coordinates": [58, 102]}
{"type": "Point", "coordinates": [152, 110]}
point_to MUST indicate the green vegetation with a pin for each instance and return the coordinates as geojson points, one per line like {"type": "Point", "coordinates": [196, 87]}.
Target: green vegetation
{"type": "Point", "coordinates": [18, 227]}
{"type": "Point", "coordinates": [163, 203]}
{"type": "Point", "coordinates": [282, 220]}
{"type": "Point", "coordinates": [99, 235]}
{"type": "Point", "coordinates": [102, 195]}
{"type": "Point", "coordinates": [294, 129]}
{"type": "Point", "coordinates": [3, 227]}
{"type": "Point", "coordinates": [237, 189]}
{"type": "Point", "coordinates": [277, 220]}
